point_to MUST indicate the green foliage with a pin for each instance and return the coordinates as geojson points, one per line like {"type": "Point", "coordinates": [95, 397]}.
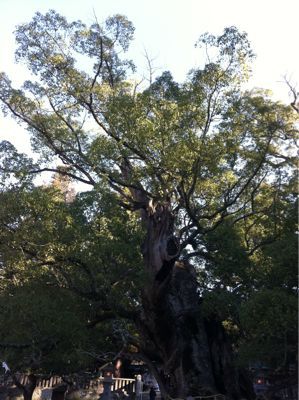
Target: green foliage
{"type": "Point", "coordinates": [64, 266]}
{"type": "Point", "coordinates": [223, 158]}
{"type": "Point", "coordinates": [254, 293]}
{"type": "Point", "coordinates": [42, 328]}
{"type": "Point", "coordinates": [269, 318]}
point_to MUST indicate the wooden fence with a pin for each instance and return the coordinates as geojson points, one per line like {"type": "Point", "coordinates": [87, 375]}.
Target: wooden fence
{"type": "Point", "coordinates": [76, 382]}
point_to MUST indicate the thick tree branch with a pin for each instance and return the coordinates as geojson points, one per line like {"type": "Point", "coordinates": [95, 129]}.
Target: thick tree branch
{"type": "Point", "coordinates": [58, 151]}
{"type": "Point", "coordinates": [295, 102]}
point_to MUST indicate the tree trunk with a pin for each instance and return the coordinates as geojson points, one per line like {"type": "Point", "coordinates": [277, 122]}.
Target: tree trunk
{"type": "Point", "coordinates": [190, 356]}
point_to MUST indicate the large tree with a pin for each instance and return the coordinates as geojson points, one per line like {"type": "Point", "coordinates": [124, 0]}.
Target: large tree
{"type": "Point", "coordinates": [184, 160]}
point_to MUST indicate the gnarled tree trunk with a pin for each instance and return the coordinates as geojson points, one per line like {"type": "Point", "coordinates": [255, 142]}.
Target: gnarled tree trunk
{"type": "Point", "coordinates": [191, 356]}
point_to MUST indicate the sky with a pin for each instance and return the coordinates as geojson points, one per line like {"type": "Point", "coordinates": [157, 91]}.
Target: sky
{"type": "Point", "coordinates": [168, 30]}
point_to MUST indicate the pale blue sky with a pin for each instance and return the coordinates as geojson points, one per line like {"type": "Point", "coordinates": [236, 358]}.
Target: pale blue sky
{"type": "Point", "coordinates": [168, 30]}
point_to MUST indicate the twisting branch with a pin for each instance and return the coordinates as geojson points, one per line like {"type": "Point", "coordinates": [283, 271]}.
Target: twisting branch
{"type": "Point", "coordinates": [262, 244]}
{"type": "Point", "coordinates": [67, 123]}
{"type": "Point", "coordinates": [57, 265]}
{"type": "Point", "coordinates": [60, 172]}
{"type": "Point", "coordinates": [98, 69]}
{"type": "Point", "coordinates": [294, 93]}
{"type": "Point", "coordinates": [54, 147]}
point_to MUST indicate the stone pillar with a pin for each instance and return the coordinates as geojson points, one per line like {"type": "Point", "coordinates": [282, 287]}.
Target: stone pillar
{"type": "Point", "coordinates": [107, 383]}
{"type": "Point", "coordinates": [139, 387]}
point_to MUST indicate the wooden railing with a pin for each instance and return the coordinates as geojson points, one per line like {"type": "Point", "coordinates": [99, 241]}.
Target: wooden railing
{"type": "Point", "coordinates": [124, 383]}
{"type": "Point", "coordinates": [49, 383]}
{"type": "Point", "coordinates": [78, 382]}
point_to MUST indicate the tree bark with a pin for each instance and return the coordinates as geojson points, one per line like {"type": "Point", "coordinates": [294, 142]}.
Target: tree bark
{"type": "Point", "coordinates": [191, 356]}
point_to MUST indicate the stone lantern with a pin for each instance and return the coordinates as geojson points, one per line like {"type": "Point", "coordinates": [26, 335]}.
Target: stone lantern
{"type": "Point", "coordinates": [107, 383]}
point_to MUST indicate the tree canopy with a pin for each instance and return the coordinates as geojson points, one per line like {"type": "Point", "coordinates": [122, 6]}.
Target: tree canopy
{"type": "Point", "coordinates": [219, 157]}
